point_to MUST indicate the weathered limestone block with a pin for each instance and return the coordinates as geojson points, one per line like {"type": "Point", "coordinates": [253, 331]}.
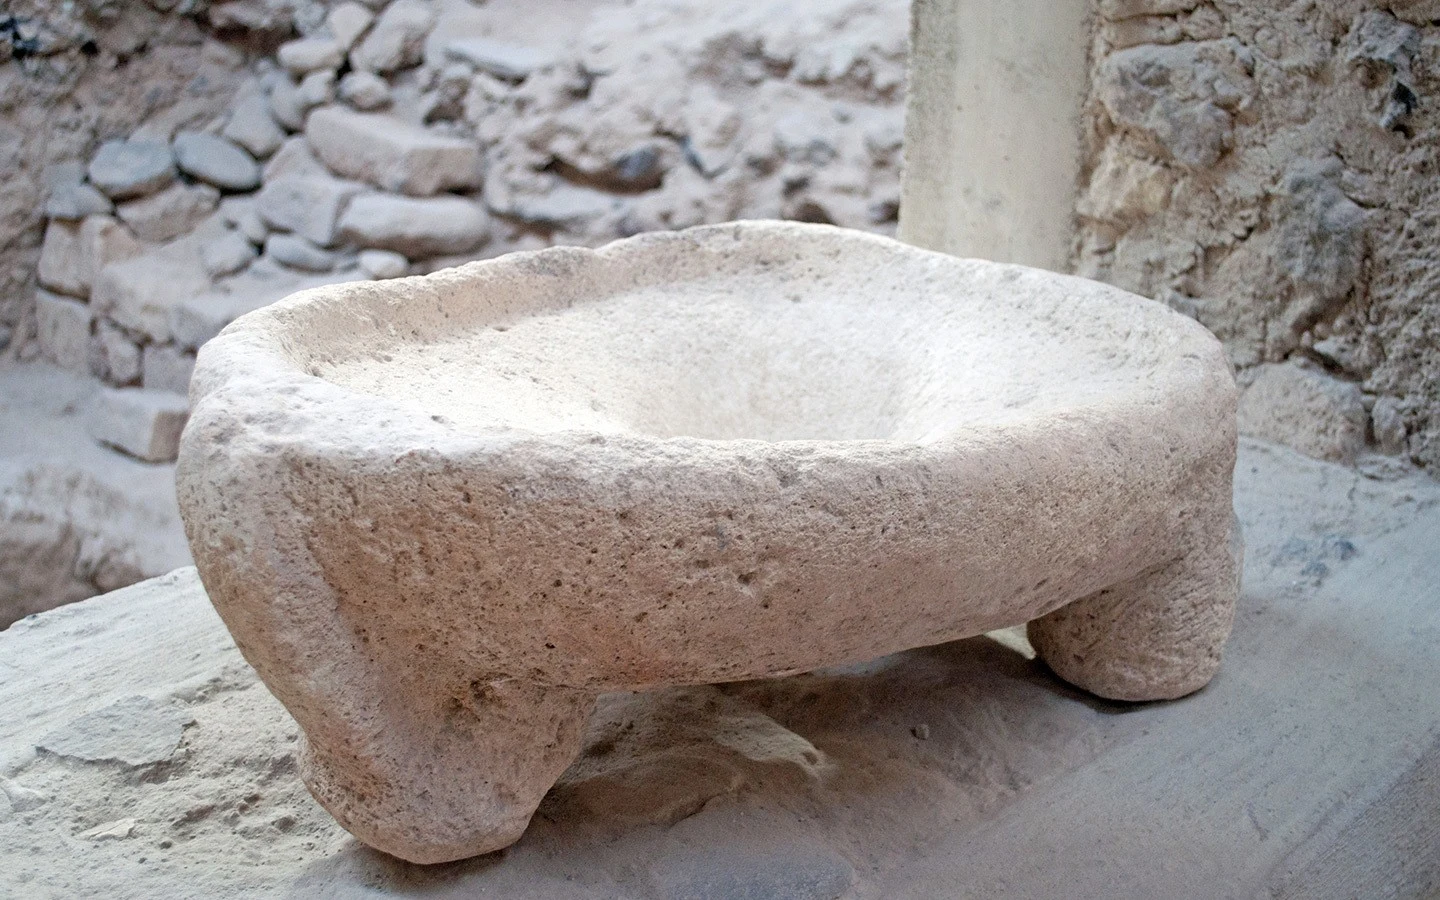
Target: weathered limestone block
{"type": "Point", "coordinates": [216, 160]}
{"type": "Point", "coordinates": [140, 293]}
{"type": "Point", "coordinates": [982, 179]}
{"type": "Point", "coordinates": [197, 318]}
{"type": "Point", "coordinates": [167, 368]}
{"type": "Point", "coordinates": [1182, 97]}
{"type": "Point", "coordinates": [125, 169]}
{"type": "Point", "coordinates": [242, 214]}
{"type": "Point", "coordinates": [62, 328]}
{"type": "Point", "coordinates": [143, 423]}
{"type": "Point", "coordinates": [397, 39]}
{"type": "Point", "coordinates": [73, 253]}
{"type": "Point", "coordinates": [74, 200]}
{"type": "Point", "coordinates": [252, 127]}
{"type": "Point", "coordinates": [416, 227]}
{"type": "Point", "coordinates": [364, 90]}
{"type": "Point", "coordinates": [317, 89]}
{"type": "Point", "coordinates": [287, 105]}
{"type": "Point", "coordinates": [441, 515]}
{"type": "Point", "coordinates": [391, 154]}
{"type": "Point", "coordinates": [306, 203]}
{"type": "Point", "coordinates": [61, 268]}
{"type": "Point", "coordinates": [348, 22]}
{"type": "Point", "coordinates": [311, 54]}
{"type": "Point", "coordinates": [511, 62]}
{"type": "Point", "coordinates": [298, 253]}
{"type": "Point", "coordinates": [228, 253]}
{"type": "Point", "coordinates": [170, 213]}
{"type": "Point", "coordinates": [382, 263]}
{"type": "Point", "coordinates": [114, 356]}
{"type": "Point", "coordinates": [1306, 409]}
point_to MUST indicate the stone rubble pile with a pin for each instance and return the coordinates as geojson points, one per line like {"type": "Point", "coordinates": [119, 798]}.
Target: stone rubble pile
{"type": "Point", "coordinates": [394, 139]}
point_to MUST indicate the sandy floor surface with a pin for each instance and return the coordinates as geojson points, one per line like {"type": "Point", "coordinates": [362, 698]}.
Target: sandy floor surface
{"type": "Point", "coordinates": [142, 759]}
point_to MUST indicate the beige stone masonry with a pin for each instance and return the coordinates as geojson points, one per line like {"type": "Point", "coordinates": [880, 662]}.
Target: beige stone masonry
{"type": "Point", "coordinates": [391, 154]}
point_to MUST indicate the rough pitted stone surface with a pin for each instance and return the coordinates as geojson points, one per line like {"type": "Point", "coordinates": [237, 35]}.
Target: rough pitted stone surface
{"type": "Point", "coordinates": [216, 160]}
{"type": "Point", "coordinates": [391, 154]}
{"type": "Point", "coordinates": [826, 767]}
{"type": "Point", "coordinates": [125, 169]}
{"type": "Point", "coordinates": [1323, 248]}
{"type": "Point", "coordinates": [443, 514]}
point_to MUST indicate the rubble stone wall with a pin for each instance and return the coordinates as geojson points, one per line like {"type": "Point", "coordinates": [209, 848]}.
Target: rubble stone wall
{"type": "Point", "coordinates": [1267, 168]}
{"type": "Point", "coordinates": [229, 153]}
{"type": "Point", "coordinates": [1271, 169]}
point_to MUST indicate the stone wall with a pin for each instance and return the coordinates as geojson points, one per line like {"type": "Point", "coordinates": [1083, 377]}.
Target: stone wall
{"type": "Point", "coordinates": [234, 152]}
{"type": "Point", "coordinates": [1270, 168]}
{"type": "Point", "coordinates": [72, 75]}
{"type": "Point", "coordinates": [1267, 168]}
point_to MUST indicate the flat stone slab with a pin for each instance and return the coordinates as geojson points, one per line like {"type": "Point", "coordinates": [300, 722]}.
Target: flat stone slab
{"type": "Point", "coordinates": [216, 160]}
{"type": "Point", "coordinates": [444, 514]}
{"type": "Point", "coordinates": [512, 62]}
{"type": "Point", "coordinates": [125, 169]}
{"type": "Point", "coordinates": [135, 731]}
{"type": "Point", "coordinates": [923, 771]}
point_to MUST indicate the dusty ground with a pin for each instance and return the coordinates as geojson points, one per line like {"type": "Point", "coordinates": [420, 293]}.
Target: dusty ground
{"type": "Point", "coordinates": [1309, 768]}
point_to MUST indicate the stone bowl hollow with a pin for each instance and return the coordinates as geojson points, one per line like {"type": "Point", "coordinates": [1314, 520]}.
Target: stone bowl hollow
{"type": "Point", "coordinates": [440, 515]}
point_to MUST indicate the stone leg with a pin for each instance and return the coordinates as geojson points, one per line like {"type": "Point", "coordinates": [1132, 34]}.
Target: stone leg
{"type": "Point", "coordinates": [444, 775]}
{"type": "Point", "coordinates": [1157, 636]}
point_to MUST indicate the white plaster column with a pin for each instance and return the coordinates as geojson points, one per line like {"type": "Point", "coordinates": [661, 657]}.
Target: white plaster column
{"type": "Point", "coordinates": [992, 130]}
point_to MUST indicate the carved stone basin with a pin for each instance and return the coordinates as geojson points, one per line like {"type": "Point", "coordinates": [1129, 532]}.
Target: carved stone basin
{"type": "Point", "coordinates": [441, 514]}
